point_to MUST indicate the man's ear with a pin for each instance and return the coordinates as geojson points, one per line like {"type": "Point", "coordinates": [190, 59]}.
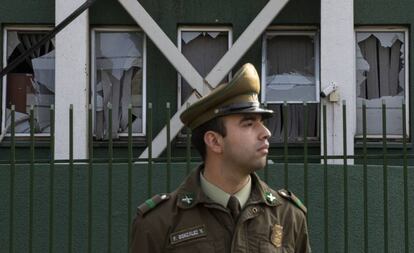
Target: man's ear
{"type": "Point", "coordinates": [214, 141]}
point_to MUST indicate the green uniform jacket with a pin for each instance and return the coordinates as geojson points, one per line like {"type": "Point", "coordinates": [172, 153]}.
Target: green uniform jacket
{"type": "Point", "coordinates": [188, 221]}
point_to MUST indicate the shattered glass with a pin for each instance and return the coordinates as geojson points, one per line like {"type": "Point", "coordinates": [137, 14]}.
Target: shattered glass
{"type": "Point", "coordinates": [31, 83]}
{"type": "Point", "coordinates": [203, 50]}
{"type": "Point", "coordinates": [380, 76]}
{"type": "Point", "coordinates": [290, 68]}
{"type": "Point", "coordinates": [118, 80]}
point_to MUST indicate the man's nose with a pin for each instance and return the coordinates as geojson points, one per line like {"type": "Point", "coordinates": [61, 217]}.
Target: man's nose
{"type": "Point", "coordinates": [265, 132]}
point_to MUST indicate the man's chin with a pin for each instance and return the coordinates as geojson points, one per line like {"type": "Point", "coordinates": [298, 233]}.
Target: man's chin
{"type": "Point", "coordinates": [260, 165]}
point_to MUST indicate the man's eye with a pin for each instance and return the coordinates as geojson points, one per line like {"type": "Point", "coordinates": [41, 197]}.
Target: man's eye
{"type": "Point", "coordinates": [248, 123]}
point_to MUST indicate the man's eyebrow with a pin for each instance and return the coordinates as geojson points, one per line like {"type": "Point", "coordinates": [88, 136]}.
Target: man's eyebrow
{"type": "Point", "coordinates": [248, 117]}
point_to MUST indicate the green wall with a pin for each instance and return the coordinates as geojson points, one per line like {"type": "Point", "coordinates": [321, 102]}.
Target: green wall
{"type": "Point", "coordinates": [275, 174]}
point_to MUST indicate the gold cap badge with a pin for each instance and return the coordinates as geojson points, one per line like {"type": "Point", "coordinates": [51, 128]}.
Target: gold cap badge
{"type": "Point", "coordinates": [277, 235]}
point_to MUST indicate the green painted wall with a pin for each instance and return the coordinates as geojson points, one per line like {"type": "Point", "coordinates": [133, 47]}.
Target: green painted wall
{"type": "Point", "coordinates": [315, 203]}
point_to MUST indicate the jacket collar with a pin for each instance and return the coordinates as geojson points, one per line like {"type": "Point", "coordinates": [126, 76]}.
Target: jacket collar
{"type": "Point", "coordinates": [189, 194]}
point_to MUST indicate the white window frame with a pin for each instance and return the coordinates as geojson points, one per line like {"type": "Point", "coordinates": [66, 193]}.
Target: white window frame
{"type": "Point", "coordinates": [299, 31]}
{"type": "Point", "coordinates": [144, 74]}
{"type": "Point", "coordinates": [376, 29]}
{"type": "Point", "coordinates": [6, 29]}
{"type": "Point", "coordinates": [199, 29]}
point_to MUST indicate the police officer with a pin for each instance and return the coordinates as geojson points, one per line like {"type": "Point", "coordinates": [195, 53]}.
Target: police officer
{"type": "Point", "coordinates": [223, 206]}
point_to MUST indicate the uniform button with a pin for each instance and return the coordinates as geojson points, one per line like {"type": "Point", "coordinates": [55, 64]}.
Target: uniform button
{"type": "Point", "coordinates": [254, 210]}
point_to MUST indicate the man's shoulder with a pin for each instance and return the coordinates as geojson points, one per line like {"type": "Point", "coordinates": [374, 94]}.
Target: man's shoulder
{"type": "Point", "coordinates": [291, 199]}
{"type": "Point", "coordinates": [157, 203]}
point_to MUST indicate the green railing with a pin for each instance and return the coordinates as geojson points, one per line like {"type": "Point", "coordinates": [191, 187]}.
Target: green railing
{"type": "Point", "coordinates": [87, 205]}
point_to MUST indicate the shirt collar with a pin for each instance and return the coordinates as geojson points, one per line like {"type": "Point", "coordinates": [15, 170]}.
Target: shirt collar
{"type": "Point", "coordinates": [219, 196]}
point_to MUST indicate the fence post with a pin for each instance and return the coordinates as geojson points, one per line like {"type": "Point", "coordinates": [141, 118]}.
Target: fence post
{"type": "Point", "coordinates": [51, 175]}
{"type": "Point", "coordinates": [31, 172]}
{"type": "Point", "coordinates": [110, 151]}
{"type": "Point", "coordinates": [285, 143]}
{"type": "Point", "coordinates": [385, 174]}
{"type": "Point", "coordinates": [130, 155]}
{"type": "Point", "coordinates": [325, 177]}
{"type": "Point", "coordinates": [365, 177]}
{"type": "Point", "coordinates": [168, 117]}
{"type": "Point", "coordinates": [90, 176]}
{"type": "Point", "coordinates": [345, 173]}
{"type": "Point", "coordinates": [70, 178]}
{"type": "Point", "coordinates": [149, 143]}
{"type": "Point", "coordinates": [12, 177]}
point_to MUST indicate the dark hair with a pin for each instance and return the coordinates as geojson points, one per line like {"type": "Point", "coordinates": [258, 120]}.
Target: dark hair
{"type": "Point", "coordinates": [197, 135]}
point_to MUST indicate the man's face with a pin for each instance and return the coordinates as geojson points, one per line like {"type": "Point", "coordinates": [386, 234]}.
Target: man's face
{"type": "Point", "coordinates": [246, 143]}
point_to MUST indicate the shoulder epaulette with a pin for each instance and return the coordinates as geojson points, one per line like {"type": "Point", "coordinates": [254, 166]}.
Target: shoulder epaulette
{"type": "Point", "coordinates": [291, 197]}
{"type": "Point", "coordinates": [151, 203]}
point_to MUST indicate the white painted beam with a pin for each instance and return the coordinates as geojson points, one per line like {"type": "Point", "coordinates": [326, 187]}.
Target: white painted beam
{"type": "Point", "coordinates": [165, 45]}
{"type": "Point", "coordinates": [338, 66]}
{"type": "Point", "coordinates": [245, 41]}
{"type": "Point", "coordinates": [184, 67]}
{"type": "Point", "coordinates": [71, 80]}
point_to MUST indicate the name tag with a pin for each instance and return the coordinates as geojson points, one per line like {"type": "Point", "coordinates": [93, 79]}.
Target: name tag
{"type": "Point", "coordinates": [188, 234]}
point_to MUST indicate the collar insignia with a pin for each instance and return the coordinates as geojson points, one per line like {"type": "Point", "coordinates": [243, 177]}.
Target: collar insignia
{"type": "Point", "coordinates": [187, 199]}
{"type": "Point", "coordinates": [270, 198]}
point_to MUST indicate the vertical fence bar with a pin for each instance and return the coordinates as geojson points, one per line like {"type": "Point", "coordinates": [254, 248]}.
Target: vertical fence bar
{"type": "Point", "coordinates": [51, 175]}
{"type": "Point", "coordinates": [149, 143]}
{"type": "Point", "coordinates": [70, 178]}
{"type": "Point", "coordinates": [305, 152]}
{"type": "Point", "coordinates": [168, 117]}
{"type": "Point", "coordinates": [345, 172]}
{"type": "Point", "coordinates": [90, 176]}
{"type": "Point", "coordinates": [266, 168]}
{"type": "Point", "coordinates": [12, 175]}
{"type": "Point", "coordinates": [325, 176]}
{"type": "Point", "coordinates": [405, 168]}
{"type": "Point", "coordinates": [188, 150]}
{"type": "Point", "coordinates": [31, 172]}
{"type": "Point", "coordinates": [365, 176]}
{"type": "Point", "coordinates": [385, 174]}
{"type": "Point", "coordinates": [130, 155]}
{"type": "Point", "coordinates": [285, 144]}
{"type": "Point", "coordinates": [110, 156]}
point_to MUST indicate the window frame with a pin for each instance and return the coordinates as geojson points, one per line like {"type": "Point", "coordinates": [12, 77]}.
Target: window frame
{"type": "Point", "coordinates": [181, 29]}
{"type": "Point", "coordinates": [144, 74]}
{"type": "Point", "coordinates": [21, 28]}
{"type": "Point", "coordinates": [384, 29]}
{"type": "Point", "coordinates": [295, 31]}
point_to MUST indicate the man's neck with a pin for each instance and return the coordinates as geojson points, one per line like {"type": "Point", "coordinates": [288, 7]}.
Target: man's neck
{"type": "Point", "coordinates": [229, 180]}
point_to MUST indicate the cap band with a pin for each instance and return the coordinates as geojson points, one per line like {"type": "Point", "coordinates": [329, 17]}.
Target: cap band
{"type": "Point", "coordinates": [236, 107]}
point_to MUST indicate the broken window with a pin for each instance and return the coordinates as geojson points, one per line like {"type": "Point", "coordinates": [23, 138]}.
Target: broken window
{"type": "Point", "coordinates": [203, 48]}
{"type": "Point", "coordinates": [290, 73]}
{"type": "Point", "coordinates": [31, 83]}
{"type": "Point", "coordinates": [380, 76]}
{"type": "Point", "coordinates": [118, 78]}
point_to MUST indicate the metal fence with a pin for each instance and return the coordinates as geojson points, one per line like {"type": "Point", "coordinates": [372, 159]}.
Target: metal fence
{"type": "Point", "coordinates": [87, 205]}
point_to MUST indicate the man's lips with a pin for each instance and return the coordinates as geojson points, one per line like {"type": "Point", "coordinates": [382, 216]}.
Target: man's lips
{"type": "Point", "coordinates": [264, 148]}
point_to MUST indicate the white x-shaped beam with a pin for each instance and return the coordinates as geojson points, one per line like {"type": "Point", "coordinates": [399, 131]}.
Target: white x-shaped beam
{"type": "Point", "coordinates": [184, 67]}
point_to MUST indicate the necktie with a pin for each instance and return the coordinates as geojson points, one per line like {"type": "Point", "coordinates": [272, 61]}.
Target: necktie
{"type": "Point", "coordinates": [234, 206]}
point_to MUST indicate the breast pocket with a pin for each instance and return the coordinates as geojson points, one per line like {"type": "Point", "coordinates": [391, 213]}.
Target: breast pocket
{"type": "Point", "coordinates": [196, 246]}
{"type": "Point", "coordinates": [268, 247]}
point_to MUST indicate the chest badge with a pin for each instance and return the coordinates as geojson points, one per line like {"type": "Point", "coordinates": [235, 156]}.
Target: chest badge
{"type": "Point", "coordinates": [277, 235]}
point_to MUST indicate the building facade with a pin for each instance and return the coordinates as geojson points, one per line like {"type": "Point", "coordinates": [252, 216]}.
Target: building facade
{"type": "Point", "coordinates": [163, 52]}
